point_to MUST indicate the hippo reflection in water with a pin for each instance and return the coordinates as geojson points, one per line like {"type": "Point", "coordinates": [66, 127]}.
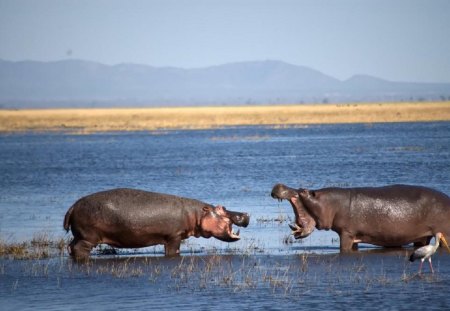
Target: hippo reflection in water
{"type": "Point", "coordinates": [128, 218]}
{"type": "Point", "coordinates": [387, 216]}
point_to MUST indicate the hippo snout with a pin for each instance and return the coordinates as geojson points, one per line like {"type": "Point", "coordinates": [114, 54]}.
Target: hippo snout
{"type": "Point", "coordinates": [241, 219]}
{"type": "Point", "coordinates": [283, 192]}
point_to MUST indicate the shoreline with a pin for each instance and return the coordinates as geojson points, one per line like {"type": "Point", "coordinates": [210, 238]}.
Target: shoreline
{"type": "Point", "coordinates": [91, 120]}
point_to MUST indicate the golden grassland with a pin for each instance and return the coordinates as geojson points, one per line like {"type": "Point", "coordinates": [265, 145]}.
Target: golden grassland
{"type": "Point", "coordinates": [137, 119]}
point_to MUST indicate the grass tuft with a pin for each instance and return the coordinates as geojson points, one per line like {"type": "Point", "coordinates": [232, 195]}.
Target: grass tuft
{"type": "Point", "coordinates": [40, 247]}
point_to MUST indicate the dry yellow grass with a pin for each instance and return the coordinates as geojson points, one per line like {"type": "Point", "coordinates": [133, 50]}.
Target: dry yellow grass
{"type": "Point", "coordinates": [136, 119]}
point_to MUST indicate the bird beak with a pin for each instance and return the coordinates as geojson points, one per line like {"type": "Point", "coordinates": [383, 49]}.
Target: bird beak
{"type": "Point", "coordinates": [445, 242]}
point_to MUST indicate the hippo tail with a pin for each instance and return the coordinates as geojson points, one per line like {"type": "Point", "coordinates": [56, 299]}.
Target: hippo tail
{"type": "Point", "coordinates": [67, 219]}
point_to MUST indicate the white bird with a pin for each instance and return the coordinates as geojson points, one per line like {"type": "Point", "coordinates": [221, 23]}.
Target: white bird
{"type": "Point", "coordinates": [425, 252]}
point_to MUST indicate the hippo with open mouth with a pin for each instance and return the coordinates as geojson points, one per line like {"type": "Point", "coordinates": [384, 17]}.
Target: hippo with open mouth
{"type": "Point", "coordinates": [129, 218]}
{"type": "Point", "coordinates": [389, 216]}
{"type": "Point", "coordinates": [304, 224]}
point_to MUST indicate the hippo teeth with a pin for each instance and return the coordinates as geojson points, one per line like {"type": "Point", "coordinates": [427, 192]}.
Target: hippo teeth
{"type": "Point", "coordinates": [236, 235]}
{"type": "Point", "coordinates": [295, 228]}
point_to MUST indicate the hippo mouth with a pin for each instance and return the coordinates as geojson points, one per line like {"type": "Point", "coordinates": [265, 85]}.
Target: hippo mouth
{"type": "Point", "coordinates": [238, 219]}
{"type": "Point", "coordinates": [219, 223]}
{"type": "Point", "coordinates": [232, 218]}
{"type": "Point", "coordinates": [234, 236]}
{"type": "Point", "coordinates": [230, 235]}
{"type": "Point", "coordinates": [298, 232]}
{"type": "Point", "coordinates": [304, 224]}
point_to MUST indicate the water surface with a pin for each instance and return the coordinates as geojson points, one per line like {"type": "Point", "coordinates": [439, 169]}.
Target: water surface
{"type": "Point", "coordinates": [43, 174]}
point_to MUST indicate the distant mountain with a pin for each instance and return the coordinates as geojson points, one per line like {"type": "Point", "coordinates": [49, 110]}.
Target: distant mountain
{"type": "Point", "coordinates": [77, 83]}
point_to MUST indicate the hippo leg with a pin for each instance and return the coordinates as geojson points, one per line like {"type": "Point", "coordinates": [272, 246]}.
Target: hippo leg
{"type": "Point", "coordinates": [80, 249]}
{"type": "Point", "coordinates": [172, 247]}
{"type": "Point", "coordinates": [346, 242]}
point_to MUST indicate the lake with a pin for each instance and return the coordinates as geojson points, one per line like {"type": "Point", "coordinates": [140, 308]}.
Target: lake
{"type": "Point", "coordinates": [43, 174]}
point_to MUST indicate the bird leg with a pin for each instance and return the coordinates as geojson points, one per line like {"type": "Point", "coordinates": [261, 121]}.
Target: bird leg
{"type": "Point", "coordinates": [431, 266]}
{"type": "Point", "coordinates": [420, 266]}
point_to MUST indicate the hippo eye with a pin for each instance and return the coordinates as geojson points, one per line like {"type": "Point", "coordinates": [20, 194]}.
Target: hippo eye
{"type": "Point", "coordinates": [313, 193]}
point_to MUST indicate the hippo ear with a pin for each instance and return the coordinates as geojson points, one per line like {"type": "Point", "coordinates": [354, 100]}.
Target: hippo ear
{"type": "Point", "coordinates": [308, 193]}
{"type": "Point", "coordinates": [206, 209]}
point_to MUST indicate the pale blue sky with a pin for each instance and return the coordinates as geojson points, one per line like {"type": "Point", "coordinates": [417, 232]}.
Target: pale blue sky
{"type": "Point", "coordinates": [402, 40]}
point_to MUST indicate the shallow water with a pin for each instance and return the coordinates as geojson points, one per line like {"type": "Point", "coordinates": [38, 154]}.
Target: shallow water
{"type": "Point", "coordinates": [44, 173]}
{"type": "Point", "coordinates": [227, 282]}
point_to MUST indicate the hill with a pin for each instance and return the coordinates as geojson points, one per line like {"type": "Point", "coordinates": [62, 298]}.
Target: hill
{"type": "Point", "coordinates": [78, 83]}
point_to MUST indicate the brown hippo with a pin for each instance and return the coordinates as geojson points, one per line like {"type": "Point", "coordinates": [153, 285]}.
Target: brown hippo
{"type": "Point", "coordinates": [386, 216]}
{"type": "Point", "coordinates": [128, 218]}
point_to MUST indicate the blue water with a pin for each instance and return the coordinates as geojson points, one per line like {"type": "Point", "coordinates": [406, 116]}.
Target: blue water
{"type": "Point", "coordinates": [43, 174]}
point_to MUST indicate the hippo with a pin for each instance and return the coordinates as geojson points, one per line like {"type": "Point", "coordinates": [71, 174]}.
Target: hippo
{"type": "Point", "coordinates": [389, 216]}
{"type": "Point", "coordinates": [131, 218]}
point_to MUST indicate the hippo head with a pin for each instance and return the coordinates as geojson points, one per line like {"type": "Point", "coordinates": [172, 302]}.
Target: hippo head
{"type": "Point", "coordinates": [304, 224]}
{"type": "Point", "coordinates": [239, 219]}
{"type": "Point", "coordinates": [218, 222]}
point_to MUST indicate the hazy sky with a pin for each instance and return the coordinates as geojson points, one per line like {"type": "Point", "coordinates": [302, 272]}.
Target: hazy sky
{"type": "Point", "coordinates": [404, 40]}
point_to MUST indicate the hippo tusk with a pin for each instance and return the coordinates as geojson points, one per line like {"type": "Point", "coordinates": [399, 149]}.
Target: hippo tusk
{"type": "Point", "coordinates": [295, 228]}
{"type": "Point", "coordinates": [235, 235]}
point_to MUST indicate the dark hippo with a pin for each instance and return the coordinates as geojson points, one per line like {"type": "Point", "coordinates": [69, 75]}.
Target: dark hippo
{"type": "Point", "coordinates": [128, 218]}
{"type": "Point", "coordinates": [386, 216]}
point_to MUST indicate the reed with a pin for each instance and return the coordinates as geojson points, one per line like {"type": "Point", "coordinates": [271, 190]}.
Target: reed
{"type": "Point", "coordinates": [149, 119]}
{"type": "Point", "coordinates": [41, 246]}
{"type": "Point", "coordinates": [293, 276]}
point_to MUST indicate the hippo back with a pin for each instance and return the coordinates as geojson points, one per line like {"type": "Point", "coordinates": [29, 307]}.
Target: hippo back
{"type": "Point", "coordinates": [132, 215]}
{"type": "Point", "coordinates": [398, 214]}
